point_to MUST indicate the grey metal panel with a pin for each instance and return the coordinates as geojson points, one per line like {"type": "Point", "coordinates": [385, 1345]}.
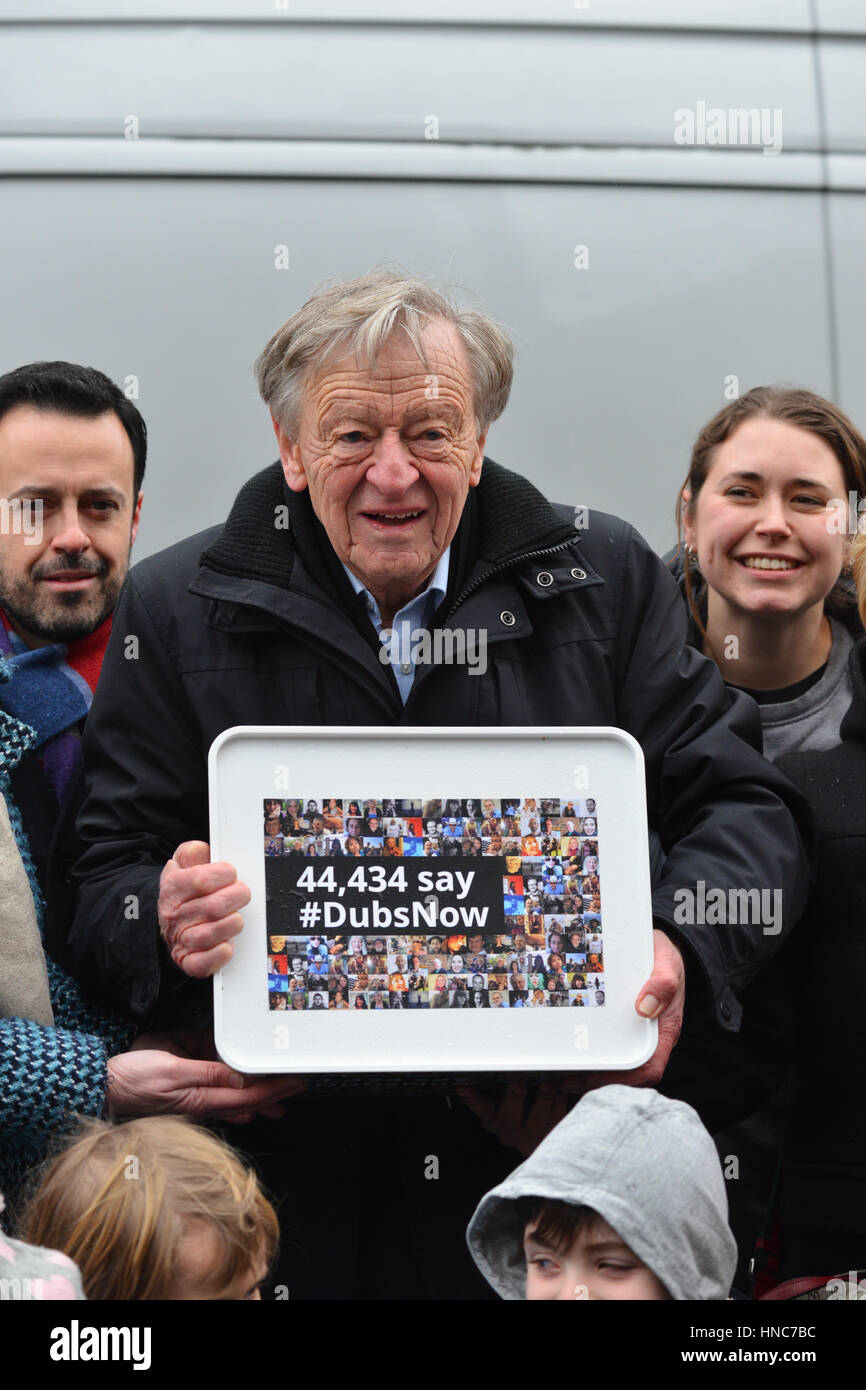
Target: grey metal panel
{"type": "Point", "coordinates": [174, 282]}
{"type": "Point", "coordinates": [843, 77]}
{"type": "Point", "coordinates": [353, 82]}
{"type": "Point", "coordinates": [847, 217]}
{"type": "Point", "coordinates": [783, 15]}
{"type": "Point", "coordinates": [847, 172]}
{"type": "Point", "coordinates": [51, 155]}
{"type": "Point", "coordinates": [840, 16]}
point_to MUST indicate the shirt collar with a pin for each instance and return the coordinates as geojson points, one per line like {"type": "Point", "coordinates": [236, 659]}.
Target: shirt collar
{"type": "Point", "coordinates": [434, 592]}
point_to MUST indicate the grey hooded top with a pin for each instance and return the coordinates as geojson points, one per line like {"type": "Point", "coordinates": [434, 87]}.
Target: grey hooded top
{"type": "Point", "coordinates": [644, 1163]}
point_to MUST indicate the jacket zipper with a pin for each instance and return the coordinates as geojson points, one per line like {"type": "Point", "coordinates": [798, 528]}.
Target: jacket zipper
{"type": "Point", "coordinates": [505, 565]}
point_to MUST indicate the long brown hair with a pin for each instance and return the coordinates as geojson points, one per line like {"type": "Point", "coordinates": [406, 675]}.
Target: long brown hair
{"type": "Point", "coordinates": [796, 406]}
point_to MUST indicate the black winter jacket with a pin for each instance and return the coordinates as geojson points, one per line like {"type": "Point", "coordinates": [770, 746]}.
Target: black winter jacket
{"type": "Point", "coordinates": [239, 625]}
{"type": "Point", "coordinates": [824, 963]}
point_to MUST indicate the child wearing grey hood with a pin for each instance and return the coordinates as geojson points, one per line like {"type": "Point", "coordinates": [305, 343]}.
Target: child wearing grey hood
{"type": "Point", "coordinates": [624, 1199]}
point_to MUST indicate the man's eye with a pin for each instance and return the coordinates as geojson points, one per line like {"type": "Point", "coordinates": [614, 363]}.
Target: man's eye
{"type": "Point", "coordinates": [102, 504]}
{"type": "Point", "coordinates": [351, 437]}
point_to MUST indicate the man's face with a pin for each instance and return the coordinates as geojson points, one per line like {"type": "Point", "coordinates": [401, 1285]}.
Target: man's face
{"type": "Point", "coordinates": [81, 470]}
{"type": "Point", "coordinates": [389, 455]}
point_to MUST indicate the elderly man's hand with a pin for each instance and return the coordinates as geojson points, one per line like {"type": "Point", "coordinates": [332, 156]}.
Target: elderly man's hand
{"type": "Point", "coordinates": [199, 909]}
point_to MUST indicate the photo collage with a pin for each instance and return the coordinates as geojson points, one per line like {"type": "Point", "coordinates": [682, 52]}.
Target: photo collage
{"type": "Point", "coordinates": [550, 955]}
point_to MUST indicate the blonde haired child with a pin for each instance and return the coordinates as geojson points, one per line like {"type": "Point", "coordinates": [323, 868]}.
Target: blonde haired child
{"type": "Point", "coordinates": [155, 1208]}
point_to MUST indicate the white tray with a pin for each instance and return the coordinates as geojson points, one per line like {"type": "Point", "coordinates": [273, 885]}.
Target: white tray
{"type": "Point", "coordinates": [248, 765]}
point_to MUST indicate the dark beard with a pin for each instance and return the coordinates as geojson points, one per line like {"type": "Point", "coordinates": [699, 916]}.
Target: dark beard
{"type": "Point", "coordinates": [66, 617]}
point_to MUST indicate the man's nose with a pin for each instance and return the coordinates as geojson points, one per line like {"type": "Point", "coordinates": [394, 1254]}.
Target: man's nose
{"type": "Point", "coordinates": [393, 470]}
{"type": "Point", "coordinates": [69, 534]}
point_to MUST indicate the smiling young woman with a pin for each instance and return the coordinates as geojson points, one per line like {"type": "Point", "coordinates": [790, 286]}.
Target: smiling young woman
{"type": "Point", "coordinates": [764, 557]}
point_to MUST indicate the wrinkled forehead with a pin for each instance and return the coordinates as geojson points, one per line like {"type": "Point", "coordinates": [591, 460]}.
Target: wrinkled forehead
{"type": "Point", "coordinates": [397, 377]}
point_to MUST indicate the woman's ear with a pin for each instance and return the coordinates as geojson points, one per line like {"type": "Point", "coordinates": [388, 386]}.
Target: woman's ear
{"type": "Point", "coordinates": [689, 532]}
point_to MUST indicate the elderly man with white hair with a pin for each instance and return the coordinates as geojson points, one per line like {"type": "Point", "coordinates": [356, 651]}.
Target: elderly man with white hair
{"type": "Point", "coordinates": [383, 512]}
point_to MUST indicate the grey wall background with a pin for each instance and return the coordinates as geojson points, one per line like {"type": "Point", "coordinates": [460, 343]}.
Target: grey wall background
{"type": "Point", "coordinates": [306, 127]}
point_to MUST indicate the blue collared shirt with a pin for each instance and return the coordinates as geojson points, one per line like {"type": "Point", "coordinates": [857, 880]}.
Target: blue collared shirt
{"type": "Point", "coordinates": [414, 617]}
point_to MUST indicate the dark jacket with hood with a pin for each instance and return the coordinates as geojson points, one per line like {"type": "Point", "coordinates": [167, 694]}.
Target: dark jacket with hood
{"type": "Point", "coordinates": [256, 623]}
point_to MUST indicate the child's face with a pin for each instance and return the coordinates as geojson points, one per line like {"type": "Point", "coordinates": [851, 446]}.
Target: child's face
{"type": "Point", "coordinates": [599, 1267]}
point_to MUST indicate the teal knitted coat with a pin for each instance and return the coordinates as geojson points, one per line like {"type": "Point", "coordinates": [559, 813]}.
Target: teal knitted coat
{"type": "Point", "coordinates": [48, 1076]}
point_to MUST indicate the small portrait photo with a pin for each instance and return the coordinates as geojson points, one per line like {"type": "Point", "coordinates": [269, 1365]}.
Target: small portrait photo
{"type": "Point", "coordinates": [438, 989]}
{"type": "Point", "coordinates": [371, 848]}
{"type": "Point", "coordinates": [278, 984]}
{"type": "Point", "coordinates": [512, 906]}
{"type": "Point", "coordinates": [278, 1001]}
{"type": "Point", "coordinates": [592, 924]}
{"type": "Point", "coordinates": [338, 999]}
{"type": "Point", "coordinates": [378, 999]}
{"type": "Point", "coordinates": [594, 963]}
{"type": "Point", "coordinates": [332, 813]}
{"type": "Point", "coordinates": [599, 998]}
{"type": "Point", "coordinates": [432, 827]}
{"type": "Point", "coordinates": [577, 980]}
{"type": "Point", "coordinates": [569, 808]}
{"type": "Point", "coordinates": [393, 825]}
{"type": "Point", "coordinates": [397, 982]}
{"type": "Point", "coordinates": [589, 997]}
{"type": "Point", "coordinates": [518, 998]}
{"type": "Point", "coordinates": [458, 963]}
{"type": "Point", "coordinates": [513, 884]}
{"type": "Point", "coordinates": [392, 847]}
{"type": "Point", "coordinates": [470, 808]}
{"type": "Point", "coordinates": [558, 999]}
{"type": "Point", "coordinates": [298, 1000]}
{"type": "Point", "coordinates": [317, 999]}
{"type": "Point", "coordinates": [378, 979]}
{"type": "Point", "coordinates": [397, 999]}
{"type": "Point", "coordinates": [451, 848]}
{"type": "Point", "coordinates": [413, 847]}
{"type": "Point", "coordinates": [410, 806]}
{"type": "Point", "coordinates": [593, 981]}
{"type": "Point", "coordinates": [358, 999]}
{"type": "Point", "coordinates": [593, 942]}
{"type": "Point", "coordinates": [458, 995]}
{"type": "Point", "coordinates": [432, 810]}
{"type": "Point", "coordinates": [278, 944]}
{"type": "Point", "coordinates": [530, 845]}
{"type": "Point", "coordinates": [478, 998]}
{"type": "Point", "coordinates": [477, 979]}
{"type": "Point", "coordinates": [512, 844]}
{"type": "Point", "coordinates": [278, 965]}
{"type": "Point", "coordinates": [576, 999]}
{"type": "Point", "coordinates": [456, 942]}
{"type": "Point", "coordinates": [499, 998]}
{"type": "Point", "coordinates": [432, 849]}
{"type": "Point", "coordinates": [414, 825]}
{"type": "Point", "coordinates": [538, 999]}
{"type": "Point", "coordinates": [352, 847]}
{"type": "Point", "coordinates": [537, 979]}
{"type": "Point", "coordinates": [492, 845]}
{"type": "Point", "coordinates": [516, 981]}
{"type": "Point", "coordinates": [589, 826]}
{"type": "Point", "coordinates": [354, 824]}
{"type": "Point", "coordinates": [496, 962]}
